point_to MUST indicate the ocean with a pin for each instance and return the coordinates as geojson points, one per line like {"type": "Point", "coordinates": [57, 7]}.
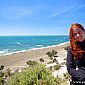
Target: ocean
{"type": "Point", "coordinates": [13, 44]}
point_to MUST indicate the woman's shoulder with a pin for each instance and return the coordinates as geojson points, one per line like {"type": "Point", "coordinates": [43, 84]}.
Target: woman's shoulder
{"type": "Point", "coordinates": [69, 49]}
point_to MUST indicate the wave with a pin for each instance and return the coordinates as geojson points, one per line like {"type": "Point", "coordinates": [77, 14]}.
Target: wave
{"type": "Point", "coordinates": [39, 45]}
{"type": "Point", "coordinates": [4, 53]}
{"type": "Point", "coordinates": [51, 46]}
{"type": "Point", "coordinates": [1, 52]}
{"type": "Point", "coordinates": [18, 43]}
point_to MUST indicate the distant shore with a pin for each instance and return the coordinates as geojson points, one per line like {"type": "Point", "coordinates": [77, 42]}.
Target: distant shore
{"type": "Point", "coordinates": [18, 59]}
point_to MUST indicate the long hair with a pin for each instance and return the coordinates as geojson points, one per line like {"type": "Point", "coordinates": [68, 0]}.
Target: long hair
{"type": "Point", "coordinates": [75, 49]}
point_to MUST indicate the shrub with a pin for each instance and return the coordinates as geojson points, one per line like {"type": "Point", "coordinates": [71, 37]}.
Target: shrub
{"type": "Point", "coordinates": [50, 62]}
{"type": "Point", "coordinates": [41, 59]}
{"type": "Point", "coordinates": [57, 67]}
{"type": "Point", "coordinates": [32, 63]}
{"type": "Point", "coordinates": [49, 54]}
{"type": "Point", "coordinates": [2, 81]}
{"type": "Point", "coordinates": [52, 54]}
{"type": "Point", "coordinates": [34, 75]}
{"type": "Point", "coordinates": [42, 82]}
{"type": "Point", "coordinates": [56, 61]}
{"type": "Point", "coordinates": [8, 72]}
{"type": "Point", "coordinates": [63, 63]}
{"type": "Point", "coordinates": [1, 74]}
{"type": "Point", "coordinates": [55, 56]}
{"type": "Point", "coordinates": [1, 67]}
{"type": "Point", "coordinates": [66, 75]}
{"type": "Point", "coordinates": [66, 48]}
{"type": "Point", "coordinates": [51, 58]}
{"type": "Point", "coordinates": [58, 80]}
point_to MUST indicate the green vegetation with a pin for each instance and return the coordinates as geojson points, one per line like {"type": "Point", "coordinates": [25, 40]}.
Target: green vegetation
{"type": "Point", "coordinates": [56, 61]}
{"type": "Point", "coordinates": [41, 59]}
{"type": "Point", "coordinates": [8, 72]}
{"type": "Point", "coordinates": [34, 75]}
{"type": "Point", "coordinates": [32, 63]}
{"type": "Point", "coordinates": [58, 80]}
{"type": "Point", "coordinates": [51, 54]}
{"type": "Point", "coordinates": [66, 75]}
{"type": "Point", "coordinates": [1, 67]}
{"type": "Point", "coordinates": [2, 81]}
{"type": "Point", "coordinates": [57, 67]}
{"type": "Point", "coordinates": [2, 75]}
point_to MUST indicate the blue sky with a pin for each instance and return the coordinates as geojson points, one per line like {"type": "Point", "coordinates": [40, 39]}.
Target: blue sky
{"type": "Point", "coordinates": [40, 17]}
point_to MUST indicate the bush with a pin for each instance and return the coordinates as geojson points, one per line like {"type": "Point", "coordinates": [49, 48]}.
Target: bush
{"type": "Point", "coordinates": [57, 67]}
{"type": "Point", "coordinates": [58, 80]}
{"type": "Point", "coordinates": [35, 75]}
{"type": "Point", "coordinates": [51, 58]}
{"type": "Point", "coordinates": [50, 62]}
{"type": "Point", "coordinates": [1, 74]}
{"type": "Point", "coordinates": [2, 81]}
{"type": "Point", "coordinates": [42, 82]}
{"type": "Point", "coordinates": [55, 56]}
{"type": "Point", "coordinates": [66, 48]}
{"type": "Point", "coordinates": [8, 72]}
{"type": "Point", "coordinates": [41, 59]}
{"type": "Point", "coordinates": [1, 67]}
{"type": "Point", "coordinates": [66, 75]}
{"type": "Point", "coordinates": [52, 54]}
{"type": "Point", "coordinates": [32, 63]}
{"type": "Point", "coordinates": [56, 61]}
{"type": "Point", "coordinates": [49, 54]}
{"type": "Point", "coordinates": [63, 63]}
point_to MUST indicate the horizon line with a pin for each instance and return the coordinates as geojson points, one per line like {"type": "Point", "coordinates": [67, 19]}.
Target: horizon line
{"type": "Point", "coordinates": [37, 35]}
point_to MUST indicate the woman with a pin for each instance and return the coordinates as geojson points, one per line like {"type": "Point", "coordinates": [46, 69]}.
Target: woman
{"type": "Point", "coordinates": [76, 54]}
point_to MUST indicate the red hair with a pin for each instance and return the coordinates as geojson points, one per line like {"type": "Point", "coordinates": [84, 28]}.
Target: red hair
{"type": "Point", "coordinates": [76, 51]}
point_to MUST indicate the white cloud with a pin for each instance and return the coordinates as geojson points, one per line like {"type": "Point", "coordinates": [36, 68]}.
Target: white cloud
{"type": "Point", "coordinates": [15, 12]}
{"type": "Point", "coordinates": [61, 11]}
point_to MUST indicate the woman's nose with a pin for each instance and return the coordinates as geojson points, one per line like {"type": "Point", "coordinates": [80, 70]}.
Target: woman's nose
{"type": "Point", "coordinates": [77, 35]}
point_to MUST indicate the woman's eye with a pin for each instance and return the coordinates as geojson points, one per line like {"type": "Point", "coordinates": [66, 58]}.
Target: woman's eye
{"type": "Point", "coordinates": [75, 34]}
{"type": "Point", "coordinates": [81, 32]}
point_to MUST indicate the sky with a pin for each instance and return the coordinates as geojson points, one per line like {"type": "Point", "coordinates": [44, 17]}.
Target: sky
{"type": "Point", "coordinates": [40, 17]}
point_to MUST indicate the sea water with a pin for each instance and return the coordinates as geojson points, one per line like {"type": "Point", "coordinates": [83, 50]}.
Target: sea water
{"type": "Point", "coordinates": [13, 44]}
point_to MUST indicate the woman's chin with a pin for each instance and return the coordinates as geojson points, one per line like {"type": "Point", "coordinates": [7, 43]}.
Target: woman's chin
{"type": "Point", "coordinates": [80, 40]}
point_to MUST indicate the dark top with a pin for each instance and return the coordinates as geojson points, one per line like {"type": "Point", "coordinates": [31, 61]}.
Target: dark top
{"type": "Point", "coordinates": [77, 75]}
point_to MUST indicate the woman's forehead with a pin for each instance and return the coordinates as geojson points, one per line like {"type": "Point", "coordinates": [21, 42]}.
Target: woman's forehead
{"type": "Point", "coordinates": [74, 26]}
{"type": "Point", "coordinates": [77, 30]}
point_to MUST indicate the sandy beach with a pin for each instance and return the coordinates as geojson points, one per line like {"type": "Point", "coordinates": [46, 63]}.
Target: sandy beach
{"type": "Point", "coordinates": [18, 59]}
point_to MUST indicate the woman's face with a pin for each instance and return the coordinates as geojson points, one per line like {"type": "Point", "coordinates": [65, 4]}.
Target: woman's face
{"type": "Point", "coordinates": [78, 34]}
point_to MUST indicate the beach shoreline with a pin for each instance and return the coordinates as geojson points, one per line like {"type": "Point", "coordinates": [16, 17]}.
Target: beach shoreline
{"type": "Point", "coordinates": [32, 49]}
{"type": "Point", "coordinates": [18, 59]}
